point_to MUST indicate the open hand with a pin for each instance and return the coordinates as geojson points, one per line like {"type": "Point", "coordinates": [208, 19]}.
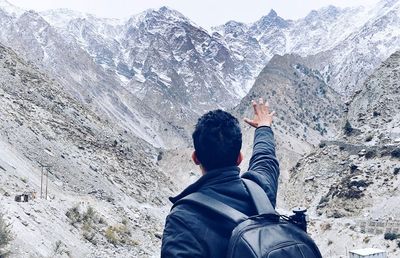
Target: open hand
{"type": "Point", "coordinates": [262, 116]}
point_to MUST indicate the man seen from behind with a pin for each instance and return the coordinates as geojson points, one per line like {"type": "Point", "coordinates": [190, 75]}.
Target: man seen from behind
{"type": "Point", "coordinates": [192, 231]}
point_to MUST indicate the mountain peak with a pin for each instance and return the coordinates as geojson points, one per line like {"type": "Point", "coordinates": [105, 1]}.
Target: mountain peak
{"type": "Point", "coordinates": [169, 12]}
{"type": "Point", "coordinates": [271, 19]}
{"type": "Point", "coordinates": [272, 14]}
{"type": "Point", "coordinates": [10, 8]}
{"type": "Point", "coordinates": [324, 12]}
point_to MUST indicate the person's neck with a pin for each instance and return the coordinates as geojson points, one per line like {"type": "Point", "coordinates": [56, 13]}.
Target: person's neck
{"type": "Point", "coordinates": [203, 170]}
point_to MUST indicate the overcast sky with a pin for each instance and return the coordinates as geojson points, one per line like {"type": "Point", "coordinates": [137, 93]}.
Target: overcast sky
{"type": "Point", "coordinates": [205, 13]}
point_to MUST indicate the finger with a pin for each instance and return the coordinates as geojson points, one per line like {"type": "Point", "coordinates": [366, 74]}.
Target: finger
{"type": "Point", "coordinates": [272, 113]}
{"type": "Point", "coordinates": [250, 122]}
{"type": "Point", "coordinates": [254, 107]}
{"type": "Point", "coordinates": [260, 105]}
{"type": "Point", "coordinates": [266, 106]}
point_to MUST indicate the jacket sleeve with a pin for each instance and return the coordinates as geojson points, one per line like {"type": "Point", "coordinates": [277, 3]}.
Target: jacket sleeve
{"type": "Point", "coordinates": [264, 167]}
{"type": "Point", "coordinates": [178, 240]}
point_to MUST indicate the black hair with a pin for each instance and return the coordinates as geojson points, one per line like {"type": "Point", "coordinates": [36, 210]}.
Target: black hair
{"type": "Point", "coordinates": [217, 140]}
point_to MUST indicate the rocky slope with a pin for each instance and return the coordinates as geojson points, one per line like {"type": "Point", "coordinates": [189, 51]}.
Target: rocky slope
{"type": "Point", "coordinates": [306, 107]}
{"type": "Point", "coordinates": [355, 178]}
{"type": "Point", "coordinates": [160, 56]}
{"type": "Point", "coordinates": [100, 89]}
{"type": "Point", "coordinates": [94, 163]}
{"type": "Point", "coordinates": [341, 40]}
{"type": "Point", "coordinates": [123, 88]}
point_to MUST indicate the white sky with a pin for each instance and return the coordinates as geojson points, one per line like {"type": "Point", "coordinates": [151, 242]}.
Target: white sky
{"type": "Point", "coordinates": [205, 13]}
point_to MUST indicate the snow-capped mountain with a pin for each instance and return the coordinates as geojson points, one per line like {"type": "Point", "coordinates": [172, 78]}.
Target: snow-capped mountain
{"type": "Point", "coordinates": [340, 41]}
{"type": "Point", "coordinates": [80, 91]}
{"type": "Point", "coordinates": [122, 67]}
{"type": "Point", "coordinates": [10, 8]}
{"type": "Point", "coordinates": [60, 55]}
{"type": "Point", "coordinates": [351, 61]}
{"type": "Point", "coordinates": [61, 17]}
{"type": "Point", "coordinates": [355, 176]}
{"type": "Point", "coordinates": [161, 55]}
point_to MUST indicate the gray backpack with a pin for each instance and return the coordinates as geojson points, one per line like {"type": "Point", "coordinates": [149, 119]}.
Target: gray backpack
{"type": "Point", "coordinates": [266, 235]}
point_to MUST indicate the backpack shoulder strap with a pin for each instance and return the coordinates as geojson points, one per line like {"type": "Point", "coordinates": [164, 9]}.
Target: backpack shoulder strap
{"type": "Point", "coordinates": [260, 198]}
{"type": "Point", "coordinates": [214, 205]}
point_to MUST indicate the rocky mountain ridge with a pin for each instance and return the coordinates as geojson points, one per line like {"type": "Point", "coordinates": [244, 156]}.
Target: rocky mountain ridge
{"type": "Point", "coordinates": [115, 120]}
{"type": "Point", "coordinates": [336, 38]}
{"type": "Point", "coordinates": [95, 167]}
{"type": "Point", "coordinates": [355, 177]}
{"type": "Point", "coordinates": [161, 56]}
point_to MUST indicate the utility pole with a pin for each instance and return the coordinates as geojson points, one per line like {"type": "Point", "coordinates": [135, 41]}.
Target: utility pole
{"type": "Point", "coordinates": [41, 183]}
{"type": "Point", "coordinates": [41, 179]}
{"type": "Point", "coordinates": [47, 179]}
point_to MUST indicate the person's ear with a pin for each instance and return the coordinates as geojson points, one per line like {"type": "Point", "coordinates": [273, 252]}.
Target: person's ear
{"type": "Point", "coordinates": [239, 159]}
{"type": "Point", "coordinates": [195, 159]}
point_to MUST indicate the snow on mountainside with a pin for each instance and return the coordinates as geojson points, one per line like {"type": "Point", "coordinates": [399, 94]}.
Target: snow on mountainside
{"type": "Point", "coordinates": [101, 89]}
{"type": "Point", "coordinates": [351, 61]}
{"type": "Point", "coordinates": [61, 17]}
{"type": "Point", "coordinates": [348, 43]}
{"type": "Point", "coordinates": [162, 55]}
{"type": "Point", "coordinates": [118, 82]}
{"type": "Point", "coordinates": [10, 9]}
{"type": "Point", "coordinates": [354, 178]}
{"type": "Point", "coordinates": [307, 109]}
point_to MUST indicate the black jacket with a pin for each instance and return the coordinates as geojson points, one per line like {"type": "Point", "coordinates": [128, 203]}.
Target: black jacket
{"type": "Point", "coordinates": [192, 232]}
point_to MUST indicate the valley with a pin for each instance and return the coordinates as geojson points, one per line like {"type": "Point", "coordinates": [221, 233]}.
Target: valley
{"type": "Point", "coordinates": [106, 107]}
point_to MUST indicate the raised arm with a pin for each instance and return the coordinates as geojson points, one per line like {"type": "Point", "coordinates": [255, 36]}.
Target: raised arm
{"type": "Point", "coordinates": [263, 167]}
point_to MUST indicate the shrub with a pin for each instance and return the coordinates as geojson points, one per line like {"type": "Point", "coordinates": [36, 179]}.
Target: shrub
{"type": "Point", "coordinates": [60, 249]}
{"type": "Point", "coordinates": [395, 153]}
{"type": "Point", "coordinates": [323, 199]}
{"type": "Point", "coordinates": [391, 236]}
{"type": "Point", "coordinates": [111, 236]}
{"type": "Point", "coordinates": [88, 221]}
{"type": "Point", "coordinates": [74, 215]}
{"type": "Point", "coordinates": [89, 216]}
{"type": "Point", "coordinates": [89, 232]}
{"type": "Point", "coordinates": [5, 232]}
{"type": "Point", "coordinates": [348, 129]}
{"type": "Point", "coordinates": [119, 235]}
{"type": "Point", "coordinates": [370, 154]}
{"type": "Point", "coordinates": [376, 113]}
{"type": "Point", "coordinates": [326, 226]}
{"type": "Point", "coordinates": [353, 167]}
{"type": "Point", "coordinates": [396, 170]}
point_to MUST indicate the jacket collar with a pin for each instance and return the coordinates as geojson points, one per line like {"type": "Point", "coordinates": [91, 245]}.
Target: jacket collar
{"type": "Point", "coordinates": [210, 178]}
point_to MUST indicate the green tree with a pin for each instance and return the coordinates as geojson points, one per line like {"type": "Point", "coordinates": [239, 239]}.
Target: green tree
{"type": "Point", "coordinates": [5, 232]}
